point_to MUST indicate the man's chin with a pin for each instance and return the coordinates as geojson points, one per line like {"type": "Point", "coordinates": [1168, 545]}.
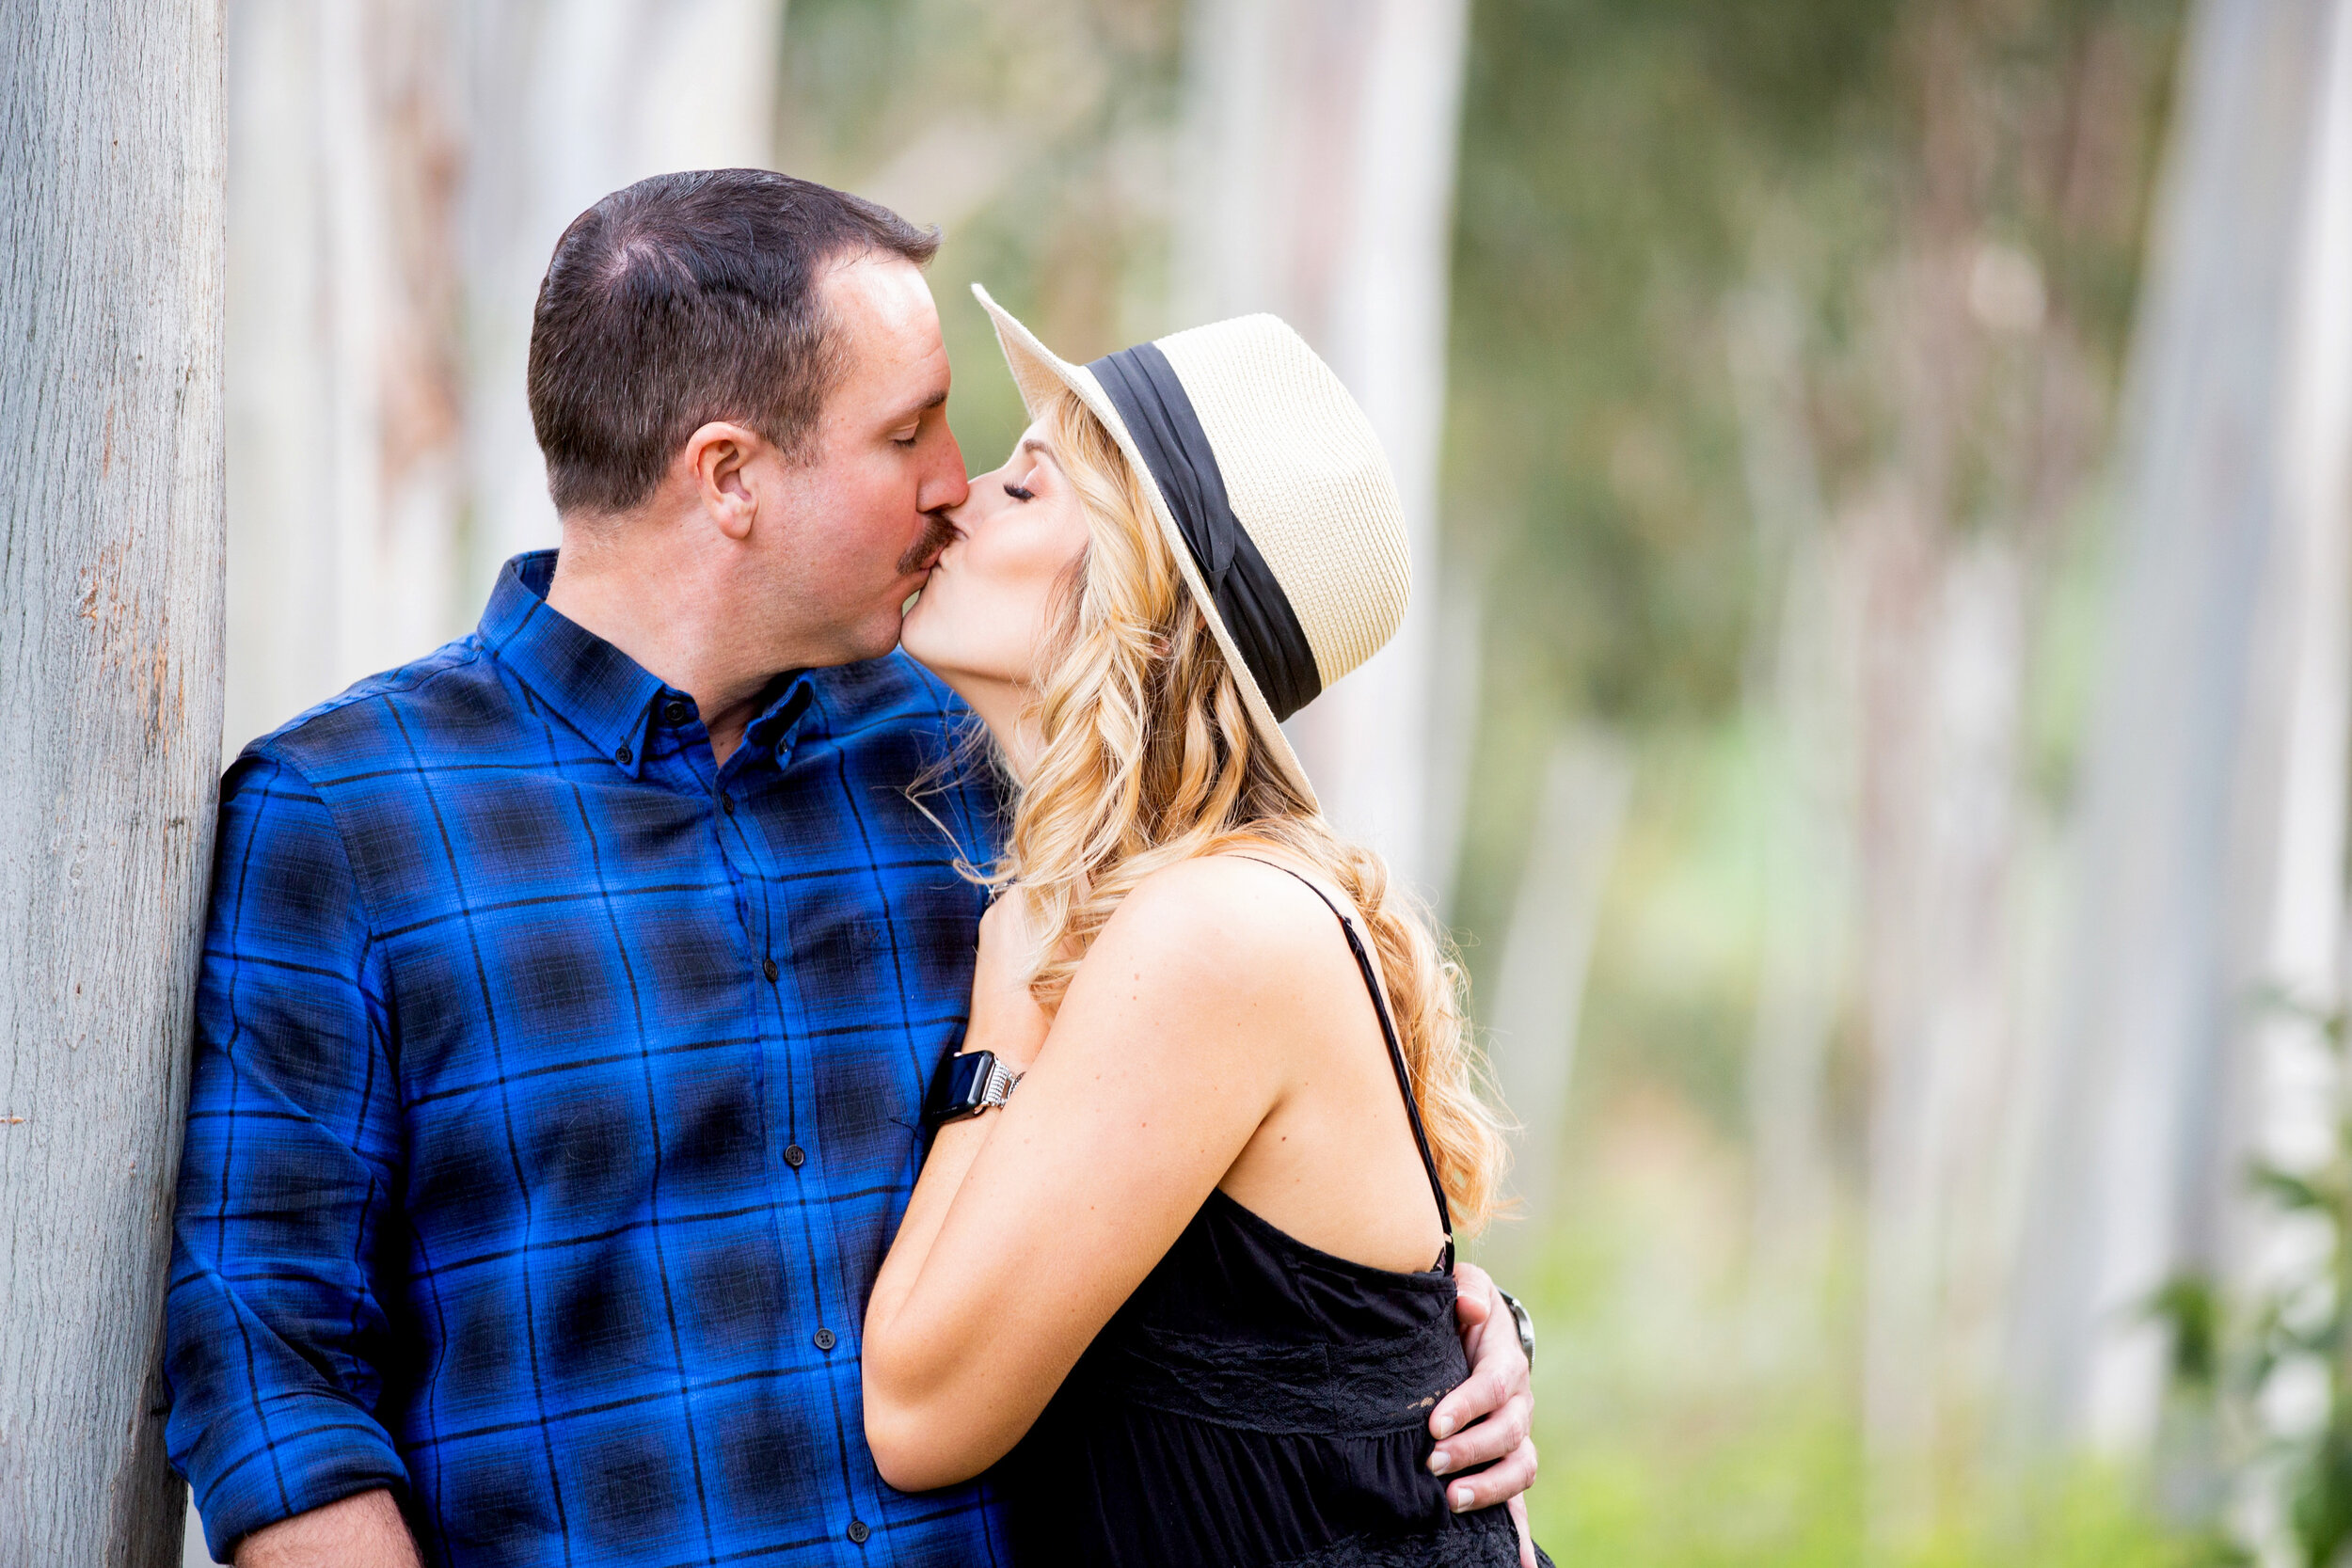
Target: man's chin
{"type": "Point", "coordinates": [859, 643]}
{"type": "Point", "coordinates": [886, 630]}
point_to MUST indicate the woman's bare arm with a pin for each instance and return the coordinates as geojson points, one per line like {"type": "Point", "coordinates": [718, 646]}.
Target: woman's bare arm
{"type": "Point", "coordinates": [1164, 1059]}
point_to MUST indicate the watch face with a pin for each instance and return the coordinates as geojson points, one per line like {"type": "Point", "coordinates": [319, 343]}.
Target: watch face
{"type": "Point", "coordinates": [957, 1092]}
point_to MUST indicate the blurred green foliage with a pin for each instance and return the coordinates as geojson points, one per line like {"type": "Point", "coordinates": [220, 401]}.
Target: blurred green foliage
{"type": "Point", "coordinates": [1628, 162]}
{"type": "Point", "coordinates": [1039, 134]}
{"type": "Point", "coordinates": [2231, 1356]}
{"type": "Point", "coordinates": [1631, 170]}
{"type": "Point", "coordinates": [1784, 1486]}
{"type": "Point", "coordinates": [1678, 1431]}
{"type": "Point", "coordinates": [1629, 167]}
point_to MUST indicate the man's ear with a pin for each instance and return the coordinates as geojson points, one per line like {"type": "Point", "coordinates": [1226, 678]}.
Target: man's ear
{"type": "Point", "coordinates": [719, 456]}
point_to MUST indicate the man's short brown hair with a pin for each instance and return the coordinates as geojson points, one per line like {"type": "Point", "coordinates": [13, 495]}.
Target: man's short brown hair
{"type": "Point", "coordinates": [687, 298]}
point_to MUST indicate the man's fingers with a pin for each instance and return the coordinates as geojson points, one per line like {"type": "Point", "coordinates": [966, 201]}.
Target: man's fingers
{"type": "Point", "coordinates": [1497, 1436]}
{"type": "Point", "coordinates": [1486, 1419]}
{"type": "Point", "coordinates": [1475, 1295]}
{"type": "Point", "coordinates": [1527, 1537]}
{"type": "Point", "coordinates": [1495, 1382]}
{"type": "Point", "coordinates": [1506, 1480]}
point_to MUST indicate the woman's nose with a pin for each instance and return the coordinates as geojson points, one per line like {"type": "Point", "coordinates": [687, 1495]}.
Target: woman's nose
{"type": "Point", "coordinates": [965, 509]}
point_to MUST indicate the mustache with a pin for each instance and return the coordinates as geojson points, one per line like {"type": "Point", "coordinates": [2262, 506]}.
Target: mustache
{"type": "Point", "coordinates": [937, 531]}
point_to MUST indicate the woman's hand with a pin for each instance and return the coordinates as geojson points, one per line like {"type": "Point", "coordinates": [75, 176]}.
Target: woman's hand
{"type": "Point", "coordinates": [1006, 1017]}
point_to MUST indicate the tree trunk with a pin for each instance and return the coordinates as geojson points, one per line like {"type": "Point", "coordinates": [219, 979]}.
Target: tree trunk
{"type": "Point", "coordinates": [345, 457]}
{"type": "Point", "coordinates": [1802, 681]}
{"type": "Point", "coordinates": [568, 104]}
{"type": "Point", "coordinates": [402, 170]}
{"type": "Point", "coordinates": [1538, 998]}
{"type": "Point", "coordinates": [1322, 189]}
{"type": "Point", "coordinates": [111, 154]}
{"type": "Point", "coordinates": [2214, 777]}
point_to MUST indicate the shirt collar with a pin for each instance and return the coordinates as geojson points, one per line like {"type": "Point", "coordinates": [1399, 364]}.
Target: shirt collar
{"type": "Point", "coordinates": [593, 686]}
{"type": "Point", "coordinates": [599, 691]}
{"type": "Point", "coordinates": [791, 714]}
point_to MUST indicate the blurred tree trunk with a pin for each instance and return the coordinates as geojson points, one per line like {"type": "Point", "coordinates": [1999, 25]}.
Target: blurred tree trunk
{"type": "Point", "coordinates": [1948, 545]}
{"type": "Point", "coordinates": [1944, 616]}
{"type": "Point", "coordinates": [402, 170]}
{"type": "Point", "coordinates": [567, 102]}
{"type": "Point", "coordinates": [1321, 163]}
{"type": "Point", "coordinates": [2214, 793]}
{"type": "Point", "coordinates": [1801, 703]}
{"type": "Point", "coordinates": [110, 622]}
{"type": "Point", "coordinates": [1539, 996]}
{"type": "Point", "coordinates": [346, 479]}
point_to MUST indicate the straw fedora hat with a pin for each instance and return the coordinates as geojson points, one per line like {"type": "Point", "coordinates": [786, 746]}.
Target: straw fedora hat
{"type": "Point", "coordinates": [1270, 487]}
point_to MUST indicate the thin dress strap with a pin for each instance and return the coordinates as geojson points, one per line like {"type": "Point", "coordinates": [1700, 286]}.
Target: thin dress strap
{"type": "Point", "coordinates": [1396, 1051]}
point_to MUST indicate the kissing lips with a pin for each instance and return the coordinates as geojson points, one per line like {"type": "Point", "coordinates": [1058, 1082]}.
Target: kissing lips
{"type": "Point", "coordinates": [937, 532]}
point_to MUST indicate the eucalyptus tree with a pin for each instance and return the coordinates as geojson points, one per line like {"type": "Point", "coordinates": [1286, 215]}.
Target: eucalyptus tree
{"type": "Point", "coordinates": [111, 155]}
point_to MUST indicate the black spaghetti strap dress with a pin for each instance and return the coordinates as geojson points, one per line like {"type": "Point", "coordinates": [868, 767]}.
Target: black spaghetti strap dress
{"type": "Point", "coordinates": [1258, 1403]}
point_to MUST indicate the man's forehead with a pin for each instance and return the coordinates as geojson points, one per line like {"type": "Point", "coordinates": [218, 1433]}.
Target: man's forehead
{"type": "Point", "coordinates": [886, 297]}
{"type": "Point", "coordinates": [889, 324]}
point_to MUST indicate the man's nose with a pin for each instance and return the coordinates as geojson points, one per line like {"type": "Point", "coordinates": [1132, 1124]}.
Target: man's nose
{"type": "Point", "coordinates": [946, 485]}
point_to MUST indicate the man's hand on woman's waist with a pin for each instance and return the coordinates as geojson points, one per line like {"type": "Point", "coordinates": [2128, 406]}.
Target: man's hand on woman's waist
{"type": "Point", "coordinates": [1491, 1416]}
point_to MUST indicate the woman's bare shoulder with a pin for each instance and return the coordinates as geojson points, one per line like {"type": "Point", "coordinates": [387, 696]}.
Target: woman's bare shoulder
{"type": "Point", "coordinates": [1228, 922]}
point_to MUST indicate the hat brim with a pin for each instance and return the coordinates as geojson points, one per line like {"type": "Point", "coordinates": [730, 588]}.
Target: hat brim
{"type": "Point", "coordinates": [1038, 373]}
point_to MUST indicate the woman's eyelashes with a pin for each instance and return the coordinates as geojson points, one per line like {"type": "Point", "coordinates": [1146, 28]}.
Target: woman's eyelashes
{"type": "Point", "coordinates": [1019, 487]}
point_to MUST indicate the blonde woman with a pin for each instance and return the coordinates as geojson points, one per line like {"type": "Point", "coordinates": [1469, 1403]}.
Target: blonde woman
{"type": "Point", "coordinates": [1245, 1125]}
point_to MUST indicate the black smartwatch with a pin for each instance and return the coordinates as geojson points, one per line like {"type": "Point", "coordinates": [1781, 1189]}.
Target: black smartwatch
{"type": "Point", "coordinates": [1526, 1326]}
{"type": "Point", "coordinates": [967, 1085]}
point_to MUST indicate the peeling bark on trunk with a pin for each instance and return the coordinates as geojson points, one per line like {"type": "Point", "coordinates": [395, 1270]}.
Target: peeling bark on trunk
{"type": "Point", "coordinates": [111, 154]}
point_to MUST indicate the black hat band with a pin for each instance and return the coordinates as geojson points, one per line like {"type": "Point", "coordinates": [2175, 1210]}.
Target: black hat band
{"type": "Point", "coordinates": [1160, 420]}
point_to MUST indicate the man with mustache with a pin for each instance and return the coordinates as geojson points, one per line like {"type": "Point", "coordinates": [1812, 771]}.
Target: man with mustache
{"type": "Point", "coordinates": [569, 994]}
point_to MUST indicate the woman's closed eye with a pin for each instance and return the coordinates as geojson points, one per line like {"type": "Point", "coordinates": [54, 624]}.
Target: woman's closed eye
{"type": "Point", "coordinates": [1018, 493]}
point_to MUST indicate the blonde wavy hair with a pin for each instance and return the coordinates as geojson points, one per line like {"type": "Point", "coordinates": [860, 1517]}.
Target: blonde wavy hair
{"type": "Point", "coordinates": [1146, 757]}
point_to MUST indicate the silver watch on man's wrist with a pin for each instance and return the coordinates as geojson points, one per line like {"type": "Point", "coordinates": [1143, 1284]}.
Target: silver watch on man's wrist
{"type": "Point", "coordinates": [1525, 1323]}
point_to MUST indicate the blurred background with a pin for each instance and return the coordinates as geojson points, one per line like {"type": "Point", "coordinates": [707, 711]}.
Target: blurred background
{"type": "Point", "coordinates": [1875, 706]}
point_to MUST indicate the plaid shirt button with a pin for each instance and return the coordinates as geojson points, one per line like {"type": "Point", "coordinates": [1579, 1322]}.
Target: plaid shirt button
{"type": "Point", "coordinates": [770, 969]}
{"type": "Point", "coordinates": [825, 1339]}
{"type": "Point", "coordinates": [858, 1532]}
{"type": "Point", "coordinates": [795, 1156]}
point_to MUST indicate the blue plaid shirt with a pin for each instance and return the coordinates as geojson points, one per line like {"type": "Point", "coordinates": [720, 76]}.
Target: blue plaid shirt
{"type": "Point", "coordinates": [555, 1096]}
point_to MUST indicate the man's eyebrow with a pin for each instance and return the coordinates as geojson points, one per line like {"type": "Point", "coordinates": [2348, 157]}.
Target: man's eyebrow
{"type": "Point", "coordinates": [917, 410]}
